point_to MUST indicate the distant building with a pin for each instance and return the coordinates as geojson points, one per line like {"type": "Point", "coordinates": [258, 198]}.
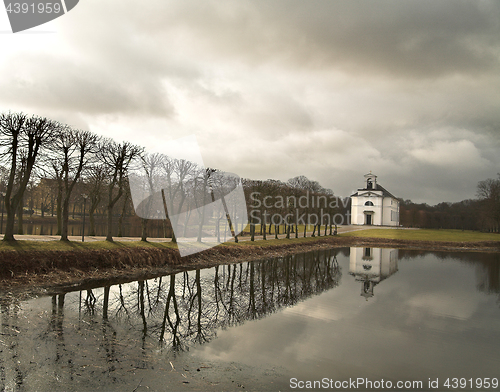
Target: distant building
{"type": "Point", "coordinates": [374, 205]}
{"type": "Point", "coordinates": [370, 266]}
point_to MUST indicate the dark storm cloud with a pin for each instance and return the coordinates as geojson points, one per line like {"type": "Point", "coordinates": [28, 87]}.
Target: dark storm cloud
{"type": "Point", "coordinates": [329, 89]}
{"type": "Point", "coordinates": [81, 88]}
{"type": "Point", "coordinates": [415, 39]}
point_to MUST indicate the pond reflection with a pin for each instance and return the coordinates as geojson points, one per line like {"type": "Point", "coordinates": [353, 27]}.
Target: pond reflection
{"type": "Point", "coordinates": [370, 266]}
{"type": "Point", "coordinates": [145, 322]}
{"type": "Point", "coordinates": [258, 324]}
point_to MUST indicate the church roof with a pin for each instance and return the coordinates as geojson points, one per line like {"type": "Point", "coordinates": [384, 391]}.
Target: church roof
{"type": "Point", "coordinates": [379, 187]}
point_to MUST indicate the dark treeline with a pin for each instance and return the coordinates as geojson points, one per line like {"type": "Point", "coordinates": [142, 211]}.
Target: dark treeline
{"type": "Point", "coordinates": [481, 214]}
{"type": "Point", "coordinates": [137, 325]}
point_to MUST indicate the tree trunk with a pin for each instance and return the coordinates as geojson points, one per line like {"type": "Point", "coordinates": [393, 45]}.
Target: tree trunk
{"type": "Point", "coordinates": [20, 217]}
{"type": "Point", "coordinates": [111, 203]}
{"type": "Point", "coordinates": [9, 227]}
{"type": "Point", "coordinates": [65, 218]}
{"type": "Point", "coordinates": [92, 223]}
{"type": "Point", "coordinates": [120, 220]}
{"type": "Point", "coordinates": [144, 230]}
{"type": "Point", "coordinates": [59, 212]}
{"type": "Point", "coordinates": [109, 236]}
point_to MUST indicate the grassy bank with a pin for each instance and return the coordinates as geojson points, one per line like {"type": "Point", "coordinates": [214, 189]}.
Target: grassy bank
{"type": "Point", "coordinates": [49, 263]}
{"type": "Point", "coordinates": [425, 235]}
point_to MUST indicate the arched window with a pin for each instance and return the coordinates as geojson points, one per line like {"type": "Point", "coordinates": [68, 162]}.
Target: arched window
{"type": "Point", "coordinates": [369, 203]}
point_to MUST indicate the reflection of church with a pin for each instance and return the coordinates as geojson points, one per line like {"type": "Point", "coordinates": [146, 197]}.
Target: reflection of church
{"type": "Point", "coordinates": [371, 266]}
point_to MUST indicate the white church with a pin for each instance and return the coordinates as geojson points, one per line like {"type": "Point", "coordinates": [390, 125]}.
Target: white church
{"type": "Point", "coordinates": [374, 205]}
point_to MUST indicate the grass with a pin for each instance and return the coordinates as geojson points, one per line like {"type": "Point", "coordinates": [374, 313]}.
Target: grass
{"type": "Point", "coordinates": [425, 235]}
{"type": "Point", "coordinates": [26, 246]}
{"type": "Point", "coordinates": [272, 241]}
{"type": "Point", "coordinates": [411, 235]}
{"type": "Point", "coordinates": [23, 245]}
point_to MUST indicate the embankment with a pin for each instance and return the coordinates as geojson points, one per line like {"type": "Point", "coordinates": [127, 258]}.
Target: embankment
{"type": "Point", "coordinates": [38, 270]}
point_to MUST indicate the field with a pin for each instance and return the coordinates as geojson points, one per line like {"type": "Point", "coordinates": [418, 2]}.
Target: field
{"type": "Point", "coordinates": [387, 234]}
{"type": "Point", "coordinates": [425, 235]}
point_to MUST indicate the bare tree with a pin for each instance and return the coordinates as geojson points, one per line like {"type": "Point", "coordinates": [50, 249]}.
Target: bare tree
{"type": "Point", "coordinates": [24, 137]}
{"type": "Point", "coordinates": [177, 173]}
{"type": "Point", "coordinates": [74, 149]}
{"type": "Point", "coordinates": [95, 183]}
{"type": "Point", "coordinates": [117, 158]}
{"type": "Point", "coordinates": [151, 164]}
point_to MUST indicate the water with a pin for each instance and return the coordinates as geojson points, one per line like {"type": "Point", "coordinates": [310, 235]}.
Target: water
{"type": "Point", "coordinates": [325, 316]}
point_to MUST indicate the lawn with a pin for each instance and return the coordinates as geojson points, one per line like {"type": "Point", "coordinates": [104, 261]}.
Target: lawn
{"type": "Point", "coordinates": [401, 234]}
{"type": "Point", "coordinates": [425, 235]}
{"type": "Point", "coordinates": [23, 245]}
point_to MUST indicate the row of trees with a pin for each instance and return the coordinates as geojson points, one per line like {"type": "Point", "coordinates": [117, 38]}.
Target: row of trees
{"type": "Point", "coordinates": [51, 164]}
{"type": "Point", "coordinates": [482, 213]}
{"type": "Point", "coordinates": [298, 202]}
{"type": "Point", "coordinates": [37, 147]}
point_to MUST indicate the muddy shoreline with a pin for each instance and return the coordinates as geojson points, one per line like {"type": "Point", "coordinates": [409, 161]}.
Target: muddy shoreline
{"type": "Point", "coordinates": [54, 272]}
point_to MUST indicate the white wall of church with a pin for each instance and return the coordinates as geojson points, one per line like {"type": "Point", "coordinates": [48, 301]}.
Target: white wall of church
{"type": "Point", "coordinates": [384, 212]}
{"type": "Point", "coordinates": [391, 212]}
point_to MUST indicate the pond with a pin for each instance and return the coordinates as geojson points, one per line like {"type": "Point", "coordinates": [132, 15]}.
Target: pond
{"type": "Point", "coordinates": [368, 318]}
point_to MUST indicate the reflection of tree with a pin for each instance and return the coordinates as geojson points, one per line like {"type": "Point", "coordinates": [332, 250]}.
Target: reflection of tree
{"type": "Point", "coordinates": [487, 266]}
{"type": "Point", "coordinates": [200, 304]}
{"type": "Point", "coordinates": [120, 327]}
{"type": "Point", "coordinates": [191, 306]}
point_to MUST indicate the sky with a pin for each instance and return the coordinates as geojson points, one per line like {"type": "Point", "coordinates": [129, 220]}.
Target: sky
{"type": "Point", "coordinates": [407, 89]}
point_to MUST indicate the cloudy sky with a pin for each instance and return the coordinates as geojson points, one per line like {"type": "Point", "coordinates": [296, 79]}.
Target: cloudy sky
{"type": "Point", "coordinates": [274, 89]}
